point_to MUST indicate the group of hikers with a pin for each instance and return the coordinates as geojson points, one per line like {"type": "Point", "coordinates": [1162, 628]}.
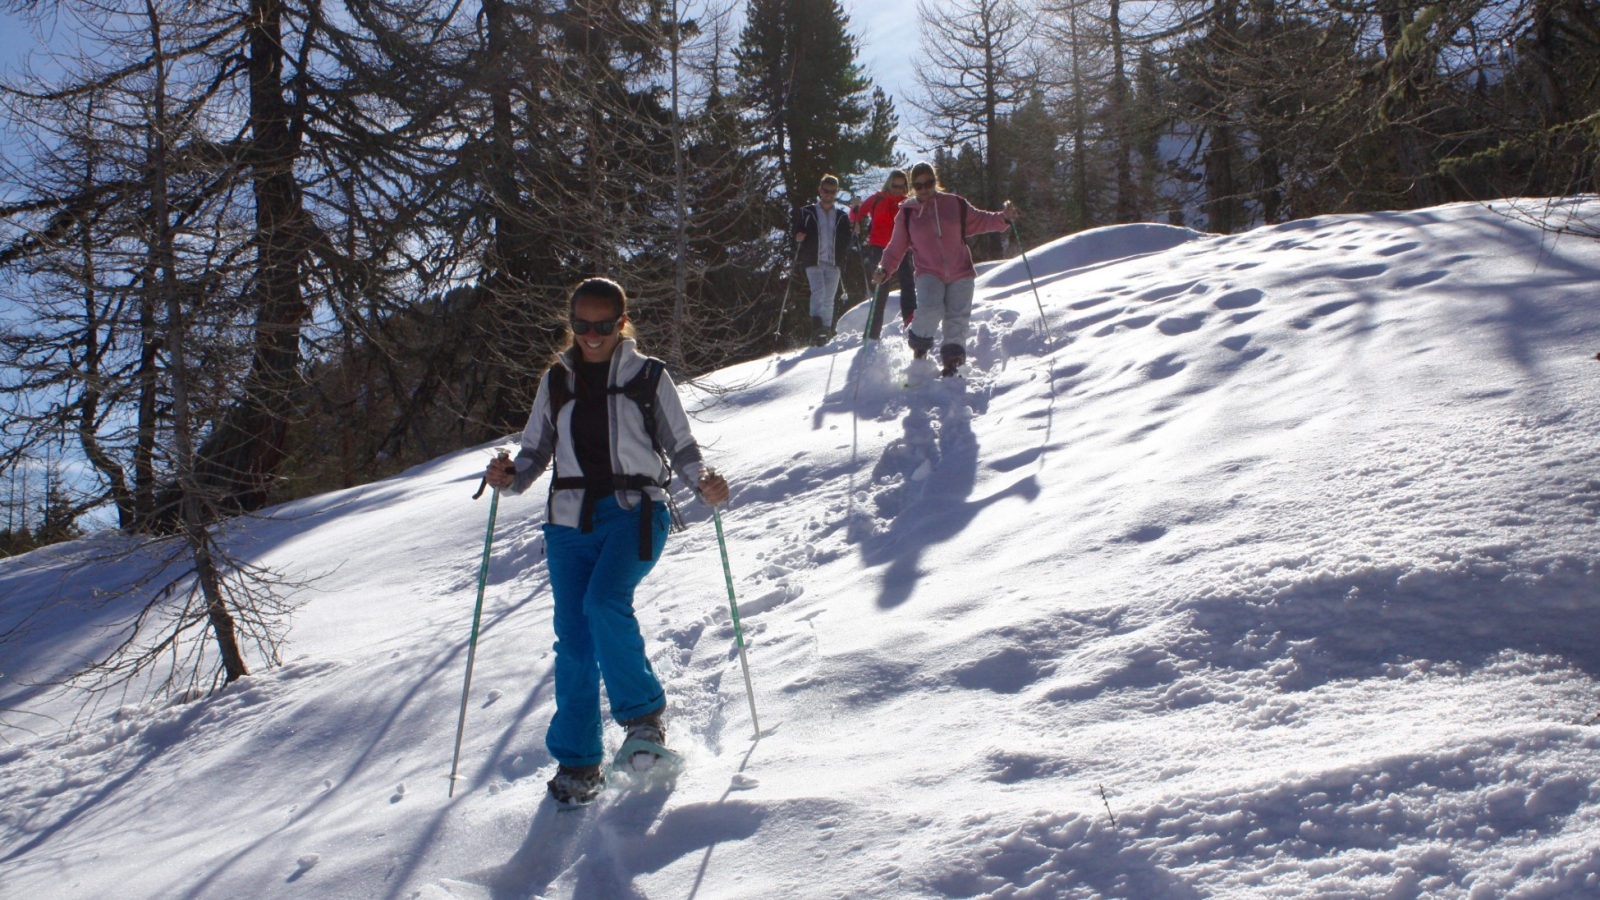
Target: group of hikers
{"type": "Point", "coordinates": [919, 233]}
{"type": "Point", "coordinates": [609, 420]}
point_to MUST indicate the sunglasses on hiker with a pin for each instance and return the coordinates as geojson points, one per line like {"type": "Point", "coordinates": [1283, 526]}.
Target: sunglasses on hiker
{"type": "Point", "coordinates": [829, 190]}
{"type": "Point", "coordinates": [604, 329]}
{"type": "Point", "coordinates": [922, 185]}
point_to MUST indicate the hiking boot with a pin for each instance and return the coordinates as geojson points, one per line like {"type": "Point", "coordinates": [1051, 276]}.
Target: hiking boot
{"type": "Point", "coordinates": [952, 356]}
{"type": "Point", "coordinates": [576, 785]}
{"type": "Point", "coordinates": [820, 332]}
{"type": "Point", "coordinates": [919, 345]}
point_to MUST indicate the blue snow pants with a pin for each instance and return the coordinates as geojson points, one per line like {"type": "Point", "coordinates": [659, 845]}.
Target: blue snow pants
{"type": "Point", "coordinates": [592, 577]}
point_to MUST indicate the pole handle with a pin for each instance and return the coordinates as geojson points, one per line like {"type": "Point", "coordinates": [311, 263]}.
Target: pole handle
{"type": "Point", "coordinates": [484, 481]}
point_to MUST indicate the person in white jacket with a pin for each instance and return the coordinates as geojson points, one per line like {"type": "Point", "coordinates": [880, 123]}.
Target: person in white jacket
{"type": "Point", "coordinates": [605, 415]}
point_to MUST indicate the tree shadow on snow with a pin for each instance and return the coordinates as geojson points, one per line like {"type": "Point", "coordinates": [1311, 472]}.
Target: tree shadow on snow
{"type": "Point", "coordinates": [430, 699]}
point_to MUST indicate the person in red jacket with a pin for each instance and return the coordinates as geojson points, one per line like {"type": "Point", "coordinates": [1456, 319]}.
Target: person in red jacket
{"type": "Point", "coordinates": [936, 225]}
{"type": "Point", "coordinates": [879, 209]}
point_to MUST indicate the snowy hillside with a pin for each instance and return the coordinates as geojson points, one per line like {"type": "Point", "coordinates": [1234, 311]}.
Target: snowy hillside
{"type": "Point", "coordinates": [1273, 575]}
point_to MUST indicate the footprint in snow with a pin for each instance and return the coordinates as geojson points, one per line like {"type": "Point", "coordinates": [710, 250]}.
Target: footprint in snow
{"type": "Point", "coordinates": [1397, 249]}
{"type": "Point", "coordinates": [1239, 299]}
{"type": "Point", "coordinates": [771, 600]}
{"type": "Point", "coordinates": [1419, 279]}
{"type": "Point", "coordinates": [1353, 273]}
{"type": "Point", "coordinates": [1167, 292]}
{"type": "Point", "coordinates": [1326, 309]}
{"type": "Point", "coordinates": [1176, 325]}
{"type": "Point", "coordinates": [1165, 367]}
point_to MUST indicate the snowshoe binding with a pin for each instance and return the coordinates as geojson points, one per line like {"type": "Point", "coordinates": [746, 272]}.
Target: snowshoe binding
{"type": "Point", "coordinates": [575, 786]}
{"type": "Point", "coordinates": [644, 751]}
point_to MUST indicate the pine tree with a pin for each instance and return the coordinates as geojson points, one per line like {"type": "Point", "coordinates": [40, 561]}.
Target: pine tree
{"type": "Point", "coordinates": [815, 110]}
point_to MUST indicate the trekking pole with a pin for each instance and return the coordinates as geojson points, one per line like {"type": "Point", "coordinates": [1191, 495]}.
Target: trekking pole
{"type": "Point", "coordinates": [872, 291]}
{"type": "Point", "coordinates": [1042, 320]}
{"type": "Point", "coordinates": [738, 631]}
{"type": "Point", "coordinates": [787, 284]}
{"type": "Point", "coordinates": [477, 613]}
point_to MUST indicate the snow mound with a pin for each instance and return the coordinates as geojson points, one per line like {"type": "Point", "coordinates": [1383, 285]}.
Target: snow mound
{"type": "Point", "coordinates": [1087, 248]}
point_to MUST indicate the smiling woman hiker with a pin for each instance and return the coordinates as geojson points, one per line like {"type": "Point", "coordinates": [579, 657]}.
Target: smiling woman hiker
{"type": "Point", "coordinates": [936, 226]}
{"type": "Point", "coordinates": [605, 415]}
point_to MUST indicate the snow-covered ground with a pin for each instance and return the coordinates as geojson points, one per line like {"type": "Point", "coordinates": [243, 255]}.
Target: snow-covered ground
{"type": "Point", "coordinates": [1273, 574]}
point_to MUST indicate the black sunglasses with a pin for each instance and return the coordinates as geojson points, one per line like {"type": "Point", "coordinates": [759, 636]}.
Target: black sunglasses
{"type": "Point", "coordinates": [604, 329]}
{"type": "Point", "coordinates": [920, 185]}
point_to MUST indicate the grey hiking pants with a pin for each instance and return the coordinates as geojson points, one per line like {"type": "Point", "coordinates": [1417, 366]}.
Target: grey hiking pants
{"type": "Point", "coordinates": [824, 287]}
{"type": "Point", "coordinates": [938, 304]}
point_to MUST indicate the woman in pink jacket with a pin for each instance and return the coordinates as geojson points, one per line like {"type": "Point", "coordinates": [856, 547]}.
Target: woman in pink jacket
{"type": "Point", "coordinates": [935, 225]}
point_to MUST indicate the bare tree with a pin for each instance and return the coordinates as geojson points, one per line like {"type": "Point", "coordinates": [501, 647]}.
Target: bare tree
{"type": "Point", "coordinates": [151, 254]}
{"type": "Point", "coordinates": [980, 69]}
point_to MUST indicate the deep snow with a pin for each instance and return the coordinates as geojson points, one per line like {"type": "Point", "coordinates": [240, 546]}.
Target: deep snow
{"type": "Point", "coordinates": [1273, 576]}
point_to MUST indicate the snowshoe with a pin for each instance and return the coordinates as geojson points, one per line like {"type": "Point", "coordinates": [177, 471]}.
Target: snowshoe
{"type": "Point", "coordinates": [919, 372]}
{"type": "Point", "coordinates": [645, 752]}
{"type": "Point", "coordinates": [575, 786]}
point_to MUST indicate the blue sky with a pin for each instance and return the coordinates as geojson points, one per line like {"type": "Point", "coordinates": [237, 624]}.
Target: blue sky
{"type": "Point", "coordinates": [889, 45]}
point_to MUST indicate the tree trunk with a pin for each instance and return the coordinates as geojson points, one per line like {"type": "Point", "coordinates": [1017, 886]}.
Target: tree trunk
{"type": "Point", "coordinates": [236, 464]}
{"type": "Point", "coordinates": [1127, 205]}
{"type": "Point", "coordinates": [680, 192]}
{"type": "Point", "coordinates": [1398, 109]}
{"type": "Point", "coordinates": [193, 515]}
{"type": "Point", "coordinates": [1223, 209]}
{"type": "Point", "coordinates": [1080, 133]}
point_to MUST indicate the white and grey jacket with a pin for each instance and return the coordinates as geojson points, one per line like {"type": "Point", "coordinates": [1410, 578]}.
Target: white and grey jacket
{"type": "Point", "coordinates": [632, 451]}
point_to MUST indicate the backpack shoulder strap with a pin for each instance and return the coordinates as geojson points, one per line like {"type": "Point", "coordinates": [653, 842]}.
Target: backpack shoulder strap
{"type": "Point", "coordinates": [559, 391]}
{"type": "Point", "coordinates": [559, 394]}
{"type": "Point", "coordinates": [641, 389]}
